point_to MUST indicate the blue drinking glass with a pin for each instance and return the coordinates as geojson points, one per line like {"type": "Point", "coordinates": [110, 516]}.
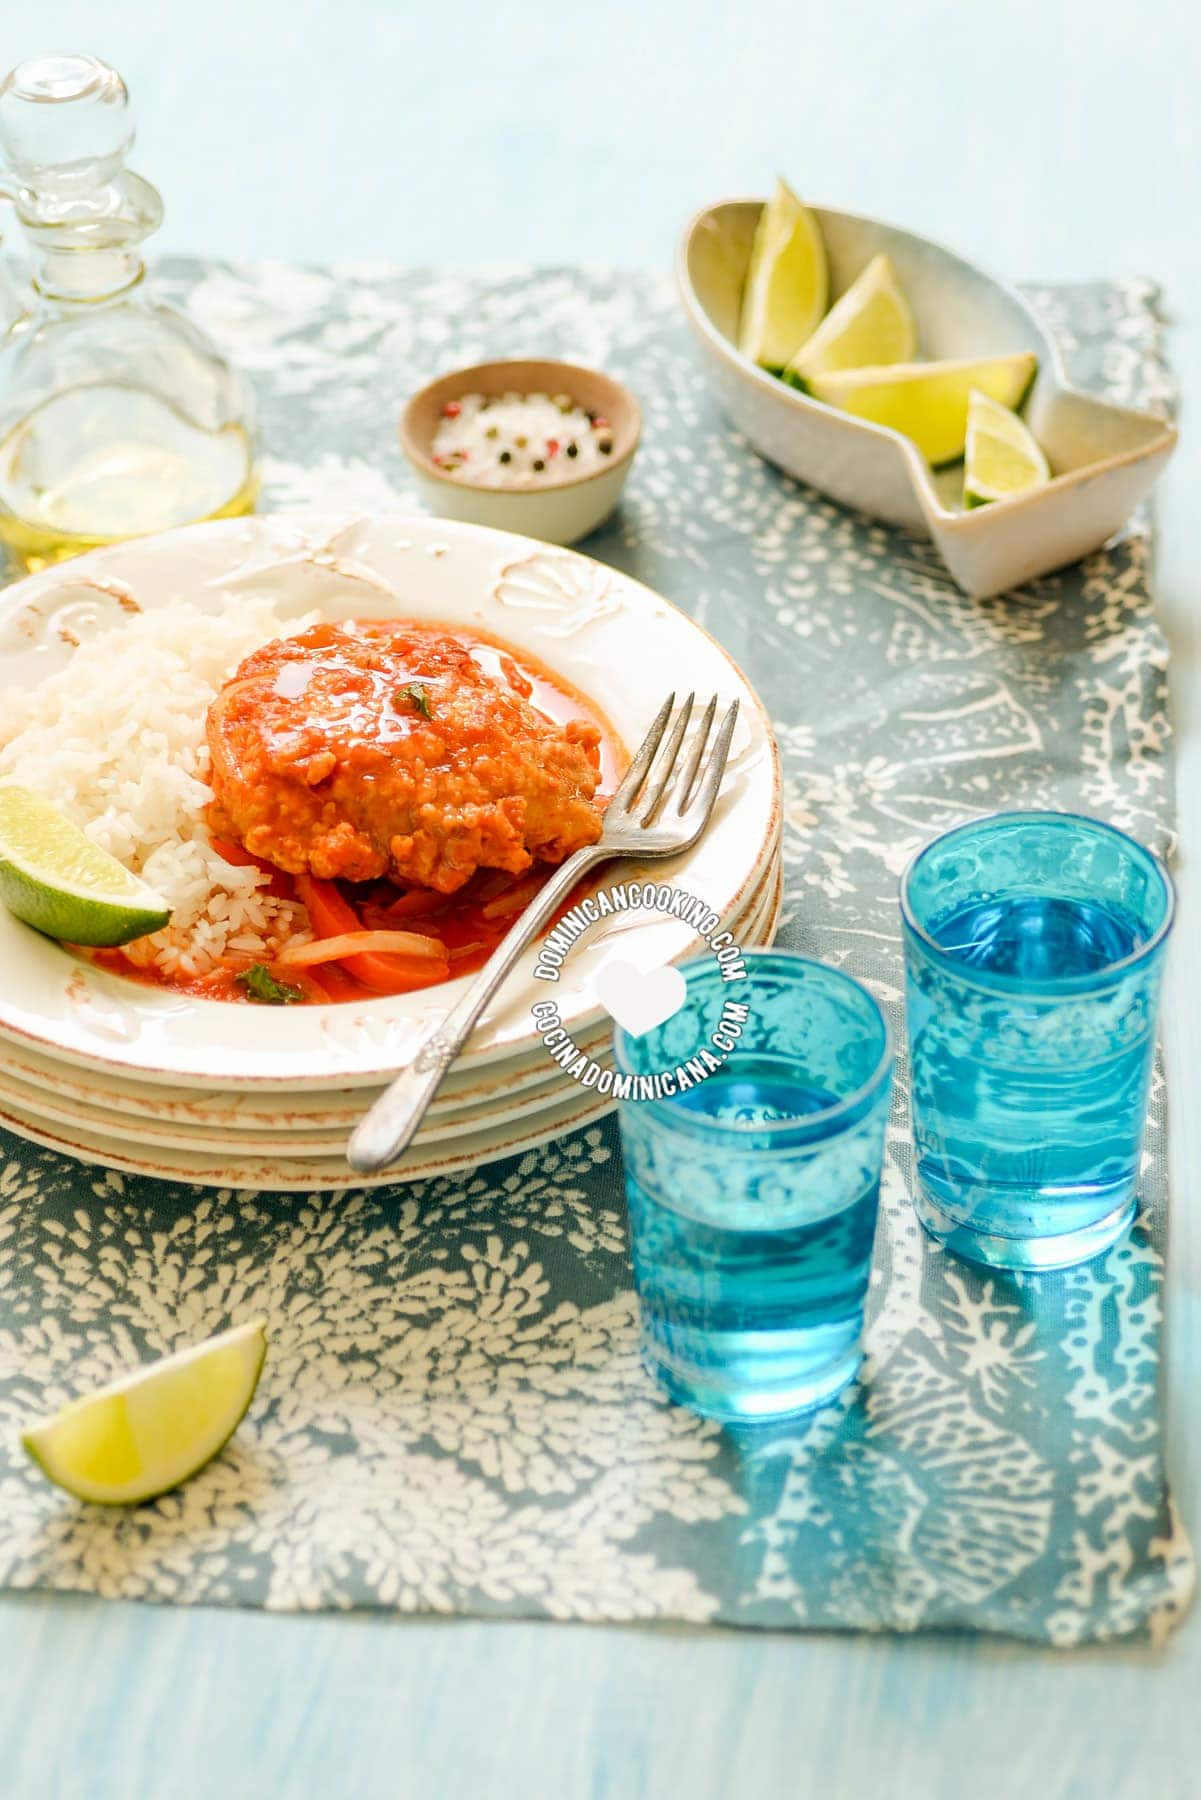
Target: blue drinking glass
{"type": "Point", "coordinates": [1034, 949]}
{"type": "Point", "coordinates": [753, 1191]}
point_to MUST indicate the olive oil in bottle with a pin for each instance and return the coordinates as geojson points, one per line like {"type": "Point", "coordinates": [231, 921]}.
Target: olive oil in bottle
{"type": "Point", "coordinates": [118, 417]}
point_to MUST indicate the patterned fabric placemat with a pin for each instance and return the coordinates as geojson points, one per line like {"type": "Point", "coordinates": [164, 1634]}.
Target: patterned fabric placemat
{"type": "Point", "coordinates": [453, 1416]}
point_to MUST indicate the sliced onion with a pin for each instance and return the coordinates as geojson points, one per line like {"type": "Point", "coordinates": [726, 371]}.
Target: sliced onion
{"type": "Point", "coordinates": [516, 900]}
{"type": "Point", "coordinates": [360, 943]}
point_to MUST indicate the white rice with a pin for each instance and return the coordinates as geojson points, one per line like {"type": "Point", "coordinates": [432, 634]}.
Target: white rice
{"type": "Point", "coordinates": [116, 741]}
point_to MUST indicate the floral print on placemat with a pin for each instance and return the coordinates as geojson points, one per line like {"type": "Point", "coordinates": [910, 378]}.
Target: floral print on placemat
{"type": "Point", "coordinates": [453, 1416]}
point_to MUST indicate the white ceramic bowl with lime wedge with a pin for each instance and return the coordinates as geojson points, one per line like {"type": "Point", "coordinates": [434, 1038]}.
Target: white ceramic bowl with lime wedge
{"type": "Point", "coordinates": [1103, 458]}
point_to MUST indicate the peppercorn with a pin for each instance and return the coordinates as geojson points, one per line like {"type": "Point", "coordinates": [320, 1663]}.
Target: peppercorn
{"type": "Point", "coordinates": [605, 448]}
{"type": "Point", "coordinates": [539, 465]}
{"type": "Point", "coordinates": [506, 456]}
{"type": "Point", "coordinates": [573, 449]}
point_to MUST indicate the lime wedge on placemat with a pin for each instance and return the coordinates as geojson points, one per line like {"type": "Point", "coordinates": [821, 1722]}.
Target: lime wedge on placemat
{"type": "Point", "coordinates": [1003, 456]}
{"type": "Point", "coordinates": [872, 324]}
{"type": "Point", "coordinates": [786, 283]}
{"type": "Point", "coordinates": [927, 401]}
{"type": "Point", "coordinates": [146, 1433]}
{"type": "Point", "coordinates": [56, 879]}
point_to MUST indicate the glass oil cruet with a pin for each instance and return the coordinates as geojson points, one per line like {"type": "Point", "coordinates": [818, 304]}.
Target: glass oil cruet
{"type": "Point", "coordinates": [117, 415]}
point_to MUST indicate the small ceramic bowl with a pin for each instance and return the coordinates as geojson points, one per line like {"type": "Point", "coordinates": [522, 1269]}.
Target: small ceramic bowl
{"type": "Point", "coordinates": [1104, 458]}
{"type": "Point", "coordinates": [561, 512]}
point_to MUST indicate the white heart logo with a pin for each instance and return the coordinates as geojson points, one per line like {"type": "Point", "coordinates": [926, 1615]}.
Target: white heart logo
{"type": "Point", "coordinates": [638, 999]}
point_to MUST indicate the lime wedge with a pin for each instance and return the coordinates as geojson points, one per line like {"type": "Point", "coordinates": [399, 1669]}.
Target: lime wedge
{"type": "Point", "coordinates": [786, 282]}
{"type": "Point", "coordinates": [56, 879]}
{"type": "Point", "coordinates": [146, 1433]}
{"type": "Point", "coordinates": [1003, 456]}
{"type": "Point", "coordinates": [927, 401]}
{"type": "Point", "coordinates": [871, 325]}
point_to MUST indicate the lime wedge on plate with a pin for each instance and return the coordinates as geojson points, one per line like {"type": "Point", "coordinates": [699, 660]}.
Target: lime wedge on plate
{"type": "Point", "coordinates": [56, 879]}
{"type": "Point", "coordinates": [786, 283]}
{"type": "Point", "coordinates": [871, 325]}
{"type": "Point", "coordinates": [1003, 455]}
{"type": "Point", "coordinates": [927, 401]}
{"type": "Point", "coordinates": [146, 1433]}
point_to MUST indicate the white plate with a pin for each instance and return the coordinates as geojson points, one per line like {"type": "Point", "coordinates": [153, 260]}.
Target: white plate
{"type": "Point", "coordinates": [304, 1135]}
{"type": "Point", "coordinates": [228, 1167]}
{"type": "Point", "coordinates": [246, 1108]}
{"type": "Point", "coordinates": [615, 640]}
{"type": "Point", "coordinates": [72, 1091]}
{"type": "Point", "coordinates": [319, 1139]}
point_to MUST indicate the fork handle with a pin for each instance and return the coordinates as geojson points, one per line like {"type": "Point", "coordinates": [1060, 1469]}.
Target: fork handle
{"type": "Point", "coordinates": [383, 1133]}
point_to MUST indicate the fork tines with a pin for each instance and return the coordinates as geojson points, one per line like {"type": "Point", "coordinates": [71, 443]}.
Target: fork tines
{"type": "Point", "coordinates": [654, 783]}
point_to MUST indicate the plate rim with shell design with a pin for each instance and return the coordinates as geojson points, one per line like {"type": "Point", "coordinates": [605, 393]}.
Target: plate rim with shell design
{"type": "Point", "coordinates": [611, 637]}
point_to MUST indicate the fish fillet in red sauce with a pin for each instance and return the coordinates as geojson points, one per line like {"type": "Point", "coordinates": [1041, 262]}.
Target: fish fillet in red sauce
{"type": "Point", "coordinates": [381, 748]}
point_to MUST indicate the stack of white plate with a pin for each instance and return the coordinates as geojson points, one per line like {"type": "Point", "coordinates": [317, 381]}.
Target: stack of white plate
{"type": "Point", "coordinates": [159, 1083]}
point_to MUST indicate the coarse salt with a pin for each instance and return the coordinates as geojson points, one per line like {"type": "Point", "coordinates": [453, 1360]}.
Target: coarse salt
{"type": "Point", "coordinates": [520, 440]}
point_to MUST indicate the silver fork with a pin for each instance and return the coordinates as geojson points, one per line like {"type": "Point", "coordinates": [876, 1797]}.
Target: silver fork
{"type": "Point", "coordinates": [658, 810]}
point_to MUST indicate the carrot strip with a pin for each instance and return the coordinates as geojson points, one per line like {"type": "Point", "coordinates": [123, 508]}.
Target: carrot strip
{"type": "Point", "coordinates": [329, 914]}
{"type": "Point", "coordinates": [233, 853]}
{"type": "Point", "coordinates": [415, 904]}
{"type": "Point", "coordinates": [350, 944]}
{"type": "Point", "coordinates": [397, 974]}
{"type": "Point", "coordinates": [333, 917]}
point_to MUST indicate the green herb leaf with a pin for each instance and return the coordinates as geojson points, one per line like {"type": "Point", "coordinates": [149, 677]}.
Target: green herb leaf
{"type": "Point", "coordinates": [416, 694]}
{"type": "Point", "coordinates": [261, 985]}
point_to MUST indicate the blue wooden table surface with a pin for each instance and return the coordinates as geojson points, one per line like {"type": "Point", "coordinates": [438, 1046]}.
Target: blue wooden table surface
{"type": "Point", "coordinates": [1045, 138]}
